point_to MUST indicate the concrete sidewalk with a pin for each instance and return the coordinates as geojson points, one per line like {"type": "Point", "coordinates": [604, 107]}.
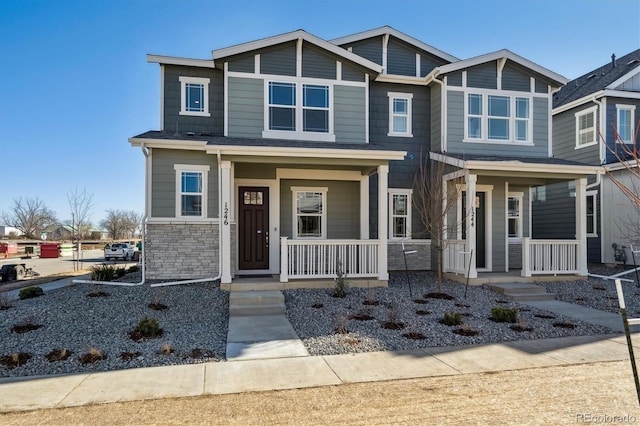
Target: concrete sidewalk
{"type": "Point", "coordinates": [301, 372]}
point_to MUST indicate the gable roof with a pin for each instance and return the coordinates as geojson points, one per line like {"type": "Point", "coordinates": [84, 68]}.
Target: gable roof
{"type": "Point", "coordinates": [291, 36]}
{"type": "Point", "coordinates": [397, 34]}
{"type": "Point", "coordinates": [494, 56]}
{"type": "Point", "coordinates": [606, 76]}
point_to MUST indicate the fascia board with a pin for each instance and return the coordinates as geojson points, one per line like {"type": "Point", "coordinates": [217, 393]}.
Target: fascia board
{"type": "Point", "coordinates": [169, 143]}
{"type": "Point", "coordinates": [504, 53]}
{"type": "Point", "coordinates": [613, 167]}
{"type": "Point", "coordinates": [401, 79]}
{"type": "Point", "coordinates": [299, 34]}
{"type": "Point", "coordinates": [397, 34]}
{"type": "Point", "coordinates": [272, 151]}
{"type": "Point", "coordinates": [578, 102]}
{"type": "Point", "coordinates": [622, 94]}
{"type": "Point", "coordinates": [518, 166]}
{"type": "Point", "coordinates": [624, 78]}
{"type": "Point", "coordinates": [173, 60]}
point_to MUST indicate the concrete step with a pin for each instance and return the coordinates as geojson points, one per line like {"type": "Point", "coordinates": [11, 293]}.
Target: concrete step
{"type": "Point", "coordinates": [255, 310]}
{"type": "Point", "coordinates": [528, 297]}
{"type": "Point", "coordinates": [265, 285]}
{"type": "Point", "coordinates": [271, 297]}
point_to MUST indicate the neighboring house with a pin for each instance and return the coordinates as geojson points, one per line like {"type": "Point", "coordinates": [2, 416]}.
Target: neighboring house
{"type": "Point", "coordinates": [296, 156]}
{"type": "Point", "coordinates": [586, 112]}
{"type": "Point", "coordinates": [58, 231]}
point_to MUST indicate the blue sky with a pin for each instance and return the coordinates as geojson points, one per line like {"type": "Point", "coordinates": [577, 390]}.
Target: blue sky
{"type": "Point", "coordinates": [75, 84]}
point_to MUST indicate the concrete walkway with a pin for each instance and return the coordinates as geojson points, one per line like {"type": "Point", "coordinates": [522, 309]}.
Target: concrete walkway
{"type": "Point", "coordinates": [289, 373]}
{"type": "Point", "coordinates": [262, 337]}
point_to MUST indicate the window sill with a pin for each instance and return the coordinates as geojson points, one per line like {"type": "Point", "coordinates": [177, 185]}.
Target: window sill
{"type": "Point", "coordinates": [498, 142]}
{"type": "Point", "coordinates": [195, 113]}
{"type": "Point", "coordinates": [592, 235]}
{"type": "Point", "coordinates": [300, 136]}
{"type": "Point", "coordinates": [586, 145]}
{"type": "Point", "coordinates": [400, 135]}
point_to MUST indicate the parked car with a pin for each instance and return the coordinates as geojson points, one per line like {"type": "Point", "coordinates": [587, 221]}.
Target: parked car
{"type": "Point", "coordinates": [116, 251]}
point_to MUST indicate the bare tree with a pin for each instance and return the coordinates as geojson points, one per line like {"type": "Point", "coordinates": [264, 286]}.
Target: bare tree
{"type": "Point", "coordinates": [81, 206]}
{"type": "Point", "coordinates": [433, 199]}
{"type": "Point", "coordinates": [122, 223]}
{"type": "Point", "coordinates": [29, 215]}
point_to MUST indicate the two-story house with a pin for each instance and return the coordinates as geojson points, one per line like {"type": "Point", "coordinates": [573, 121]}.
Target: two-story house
{"type": "Point", "coordinates": [588, 112]}
{"type": "Point", "coordinates": [296, 156]}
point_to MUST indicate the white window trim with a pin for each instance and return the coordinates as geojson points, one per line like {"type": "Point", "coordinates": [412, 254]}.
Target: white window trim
{"type": "Point", "coordinates": [579, 114]}
{"type": "Point", "coordinates": [180, 168]}
{"type": "Point", "coordinates": [399, 191]}
{"type": "Point", "coordinates": [520, 197]}
{"type": "Point", "coordinates": [593, 194]}
{"type": "Point", "coordinates": [484, 117]}
{"type": "Point", "coordinates": [294, 212]}
{"type": "Point", "coordinates": [632, 110]}
{"type": "Point", "coordinates": [183, 99]}
{"type": "Point", "coordinates": [409, 98]}
{"type": "Point", "coordinates": [298, 134]}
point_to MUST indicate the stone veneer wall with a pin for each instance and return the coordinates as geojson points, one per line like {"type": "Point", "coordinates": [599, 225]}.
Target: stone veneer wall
{"type": "Point", "coordinates": [420, 261]}
{"type": "Point", "coordinates": [183, 251]}
{"type": "Point", "coordinates": [515, 255]}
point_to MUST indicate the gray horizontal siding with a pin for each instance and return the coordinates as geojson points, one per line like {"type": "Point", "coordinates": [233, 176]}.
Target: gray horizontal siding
{"type": "Point", "coordinates": [401, 60]}
{"type": "Point", "coordinates": [564, 138]}
{"type": "Point", "coordinates": [163, 178]}
{"type": "Point", "coordinates": [370, 49]}
{"type": "Point", "coordinates": [455, 122]}
{"type": "Point", "coordinates": [349, 114]}
{"type": "Point", "coordinates": [483, 76]}
{"type": "Point", "coordinates": [350, 73]}
{"type": "Point", "coordinates": [246, 107]}
{"type": "Point", "coordinates": [343, 207]}
{"type": "Point", "coordinates": [436, 114]}
{"type": "Point", "coordinates": [455, 79]}
{"type": "Point", "coordinates": [541, 87]}
{"type": "Point", "coordinates": [243, 64]}
{"type": "Point", "coordinates": [317, 64]}
{"type": "Point", "coordinates": [515, 78]}
{"type": "Point", "coordinates": [540, 116]}
{"type": "Point", "coordinates": [279, 60]}
{"type": "Point", "coordinates": [173, 121]}
{"type": "Point", "coordinates": [428, 62]}
{"type": "Point", "coordinates": [612, 120]}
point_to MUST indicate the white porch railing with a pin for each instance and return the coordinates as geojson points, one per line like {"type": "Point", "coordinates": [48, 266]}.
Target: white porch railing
{"type": "Point", "coordinates": [322, 258]}
{"type": "Point", "coordinates": [454, 257]}
{"type": "Point", "coordinates": [550, 257]}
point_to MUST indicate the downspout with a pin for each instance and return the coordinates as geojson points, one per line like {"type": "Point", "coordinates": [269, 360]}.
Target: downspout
{"type": "Point", "coordinates": [220, 245]}
{"type": "Point", "coordinates": [434, 78]}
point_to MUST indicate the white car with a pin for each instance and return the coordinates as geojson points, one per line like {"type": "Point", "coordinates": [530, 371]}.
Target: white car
{"type": "Point", "coordinates": [116, 251]}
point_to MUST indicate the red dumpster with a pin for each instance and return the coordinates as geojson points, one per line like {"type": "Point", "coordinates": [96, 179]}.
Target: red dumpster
{"type": "Point", "coordinates": [49, 250]}
{"type": "Point", "coordinates": [9, 248]}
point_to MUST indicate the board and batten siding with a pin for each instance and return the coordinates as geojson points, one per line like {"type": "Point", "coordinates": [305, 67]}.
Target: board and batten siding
{"type": "Point", "coordinates": [342, 209]}
{"type": "Point", "coordinates": [564, 137]}
{"type": "Point", "coordinates": [455, 131]}
{"type": "Point", "coordinates": [245, 107]}
{"type": "Point", "coordinates": [349, 114]}
{"type": "Point", "coordinates": [176, 123]}
{"type": "Point", "coordinates": [163, 178]}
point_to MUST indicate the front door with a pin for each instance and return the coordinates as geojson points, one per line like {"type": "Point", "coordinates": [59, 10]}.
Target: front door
{"type": "Point", "coordinates": [253, 228]}
{"type": "Point", "coordinates": [480, 218]}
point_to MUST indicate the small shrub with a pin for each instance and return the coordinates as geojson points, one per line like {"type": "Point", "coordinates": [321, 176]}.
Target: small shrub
{"type": "Point", "coordinates": [133, 268]}
{"type": "Point", "coordinates": [341, 324]}
{"type": "Point", "coordinates": [4, 301]}
{"type": "Point", "coordinates": [414, 335]}
{"type": "Point", "coordinates": [165, 349]}
{"type": "Point", "coordinates": [120, 271]}
{"type": "Point", "coordinates": [465, 330]}
{"type": "Point", "coordinates": [147, 328]}
{"type": "Point", "coordinates": [93, 356]}
{"type": "Point", "coordinates": [350, 340]}
{"type": "Point", "coordinates": [59, 355]}
{"type": "Point", "coordinates": [30, 292]}
{"type": "Point", "coordinates": [500, 314]}
{"type": "Point", "coordinates": [451, 318]}
{"type": "Point", "coordinates": [341, 286]}
{"type": "Point", "coordinates": [103, 273]}
{"type": "Point", "coordinates": [521, 326]}
{"type": "Point", "coordinates": [15, 360]}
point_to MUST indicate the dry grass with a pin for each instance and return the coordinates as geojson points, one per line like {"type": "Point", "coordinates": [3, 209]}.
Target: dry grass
{"type": "Point", "coordinates": [551, 395]}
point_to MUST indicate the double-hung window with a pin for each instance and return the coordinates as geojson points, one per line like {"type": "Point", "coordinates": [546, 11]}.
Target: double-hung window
{"type": "Point", "coordinates": [194, 96]}
{"type": "Point", "coordinates": [400, 114]}
{"type": "Point", "coordinates": [298, 111]}
{"type": "Point", "coordinates": [309, 212]}
{"type": "Point", "coordinates": [625, 124]}
{"type": "Point", "coordinates": [497, 118]}
{"type": "Point", "coordinates": [191, 190]}
{"type": "Point", "coordinates": [586, 127]}
{"type": "Point", "coordinates": [514, 215]}
{"type": "Point", "coordinates": [591, 216]}
{"type": "Point", "coordinates": [399, 213]}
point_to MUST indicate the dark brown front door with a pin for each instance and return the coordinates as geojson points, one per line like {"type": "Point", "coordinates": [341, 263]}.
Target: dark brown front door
{"type": "Point", "coordinates": [253, 227]}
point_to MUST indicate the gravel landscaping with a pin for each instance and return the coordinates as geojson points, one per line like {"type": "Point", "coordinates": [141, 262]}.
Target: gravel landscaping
{"type": "Point", "coordinates": [50, 334]}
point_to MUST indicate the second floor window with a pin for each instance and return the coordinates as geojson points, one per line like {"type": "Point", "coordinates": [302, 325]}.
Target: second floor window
{"type": "Point", "coordinates": [194, 96]}
{"type": "Point", "coordinates": [498, 118]}
{"type": "Point", "coordinates": [282, 106]}
{"type": "Point", "coordinates": [400, 114]}
{"type": "Point", "coordinates": [586, 127]}
{"type": "Point", "coordinates": [625, 123]}
{"type": "Point", "coordinates": [289, 113]}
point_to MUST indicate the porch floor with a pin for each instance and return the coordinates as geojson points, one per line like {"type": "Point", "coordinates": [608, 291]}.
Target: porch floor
{"type": "Point", "coordinates": [513, 276]}
{"type": "Point", "coordinates": [263, 283]}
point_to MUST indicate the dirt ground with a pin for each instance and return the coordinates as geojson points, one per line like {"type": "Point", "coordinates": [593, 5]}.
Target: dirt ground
{"type": "Point", "coordinates": [585, 393]}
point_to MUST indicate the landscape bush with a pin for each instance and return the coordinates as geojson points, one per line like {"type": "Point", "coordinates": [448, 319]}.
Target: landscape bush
{"type": "Point", "coordinates": [30, 292]}
{"type": "Point", "coordinates": [500, 314]}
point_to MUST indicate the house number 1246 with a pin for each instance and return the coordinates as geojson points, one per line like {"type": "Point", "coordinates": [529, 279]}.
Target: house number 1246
{"type": "Point", "coordinates": [226, 213]}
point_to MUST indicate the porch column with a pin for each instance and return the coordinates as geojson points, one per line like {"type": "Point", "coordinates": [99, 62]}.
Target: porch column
{"type": "Point", "coordinates": [225, 222]}
{"type": "Point", "coordinates": [581, 225]}
{"type": "Point", "coordinates": [383, 210]}
{"type": "Point", "coordinates": [471, 180]}
{"type": "Point", "coordinates": [364, 208]}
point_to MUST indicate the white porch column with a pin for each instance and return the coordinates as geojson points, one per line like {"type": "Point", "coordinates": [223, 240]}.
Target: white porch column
{"type": "Point", "coordinates": [471, 180]}
{"type": "Point", "coordinates": [225, 222]}
{"type": "Point", "coordinates": [364, 208]}
{"type": "Point", "coordinates": [383, 211]}
{"type": "Point", "coordinates": [581, 225]}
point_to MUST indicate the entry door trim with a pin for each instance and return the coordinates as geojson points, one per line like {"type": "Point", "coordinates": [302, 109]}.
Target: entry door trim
{"type": "Point", "coordinates": [488, 209]}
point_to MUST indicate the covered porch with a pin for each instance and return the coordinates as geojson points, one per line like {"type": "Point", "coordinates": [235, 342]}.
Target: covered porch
{"type": "Point", "coordinates": [489, 228]}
